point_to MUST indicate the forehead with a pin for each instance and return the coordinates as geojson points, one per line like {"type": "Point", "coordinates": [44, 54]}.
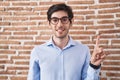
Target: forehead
{"type": "Point", "coordinates": [59, 14]}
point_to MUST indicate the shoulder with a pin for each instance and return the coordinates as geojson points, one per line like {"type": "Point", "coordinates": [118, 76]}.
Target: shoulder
{"type": "Point", "coordinates": [81, 45]}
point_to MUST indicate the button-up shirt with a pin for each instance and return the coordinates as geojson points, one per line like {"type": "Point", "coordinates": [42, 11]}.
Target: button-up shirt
{"type": "Point", "coordinates": [49, 62]}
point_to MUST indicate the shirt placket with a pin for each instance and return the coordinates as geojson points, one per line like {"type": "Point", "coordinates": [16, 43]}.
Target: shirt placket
{"type": "Point", "coordinates": [61, 65]}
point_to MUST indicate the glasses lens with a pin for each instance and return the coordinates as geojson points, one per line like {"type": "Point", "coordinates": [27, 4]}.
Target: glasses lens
{"type": "Point", "coordinates": [54, 20]}
{"type": "Point", "coordinates": [64, 20]}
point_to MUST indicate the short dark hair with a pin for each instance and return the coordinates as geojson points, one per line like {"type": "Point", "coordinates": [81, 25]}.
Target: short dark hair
{"type": "Point", "coordinates": [58, 7]}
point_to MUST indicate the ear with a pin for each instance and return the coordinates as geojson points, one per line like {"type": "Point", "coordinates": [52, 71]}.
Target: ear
{"type": "Point", "coordinates": [72, 21]}
{"type": "Point", "coordinates": [48, 23]}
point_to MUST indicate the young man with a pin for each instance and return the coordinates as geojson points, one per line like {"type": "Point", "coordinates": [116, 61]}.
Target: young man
{"type": "Point", "coordinates": [62, 58]}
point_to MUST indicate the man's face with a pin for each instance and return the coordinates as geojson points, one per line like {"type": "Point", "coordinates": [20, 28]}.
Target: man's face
{"type": "Point", "coordinates": [60, 24]}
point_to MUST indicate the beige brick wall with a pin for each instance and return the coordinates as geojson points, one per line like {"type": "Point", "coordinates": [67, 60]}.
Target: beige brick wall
{"type": "Point", "coordinates": [23, 25]}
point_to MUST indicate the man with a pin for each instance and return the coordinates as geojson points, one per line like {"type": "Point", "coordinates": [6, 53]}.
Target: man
{"type": "Point", "coordinates": [62, 58]}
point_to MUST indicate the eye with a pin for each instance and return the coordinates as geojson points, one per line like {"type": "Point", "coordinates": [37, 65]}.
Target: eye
{"type": "Point", "coordinates": [54, 20]}
{"type": "Point", "coordinates": [64, 19]}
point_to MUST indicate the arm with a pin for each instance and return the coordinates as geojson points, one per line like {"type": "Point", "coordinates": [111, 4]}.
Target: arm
{"type": "Point", "coordinates": [97, 57]}
{"type": "Point", "coordinates": [88, 72]}
{"type": "Point", "coordinates": [34, 69]}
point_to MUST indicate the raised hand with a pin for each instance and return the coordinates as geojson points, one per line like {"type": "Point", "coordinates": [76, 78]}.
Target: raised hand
{"type": "Point", "coordinates": [98, 55]}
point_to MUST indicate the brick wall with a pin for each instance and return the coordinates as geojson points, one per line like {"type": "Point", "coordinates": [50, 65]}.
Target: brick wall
{"type": "Point", "coordinates": [23, 25]}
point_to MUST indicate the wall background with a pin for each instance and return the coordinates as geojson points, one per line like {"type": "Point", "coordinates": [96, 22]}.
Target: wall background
{"type": "Point", "coordinates": [23, 25]}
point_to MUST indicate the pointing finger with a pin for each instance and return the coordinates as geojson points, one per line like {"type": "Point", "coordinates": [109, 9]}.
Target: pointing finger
{"type": "Point", "coordinates": [98, 41]}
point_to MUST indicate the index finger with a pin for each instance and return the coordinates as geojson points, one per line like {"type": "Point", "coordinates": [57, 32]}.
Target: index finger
{"type": "Point", "coordinates": [98, 40]}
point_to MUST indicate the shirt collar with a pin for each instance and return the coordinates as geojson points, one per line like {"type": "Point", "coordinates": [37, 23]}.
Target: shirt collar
{"type": "Point", "coordinates": [70, 43]}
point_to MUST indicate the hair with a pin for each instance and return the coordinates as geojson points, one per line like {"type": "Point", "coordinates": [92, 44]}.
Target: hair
{"type": "Point", "coordinates": [60, 7]}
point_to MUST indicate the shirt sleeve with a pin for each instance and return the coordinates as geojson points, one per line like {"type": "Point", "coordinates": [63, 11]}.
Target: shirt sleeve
{"type": "Point", "coordinates": [89, 73]}
{"type": "Point", "coordinates": [34, 69]}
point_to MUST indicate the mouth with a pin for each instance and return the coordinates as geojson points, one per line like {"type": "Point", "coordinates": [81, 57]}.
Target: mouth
{"type": "Point", "coordinates": [60, 30]}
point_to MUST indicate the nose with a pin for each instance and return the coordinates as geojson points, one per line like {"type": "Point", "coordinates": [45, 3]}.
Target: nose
{"type": "Point", "coordinates": [60, 23]}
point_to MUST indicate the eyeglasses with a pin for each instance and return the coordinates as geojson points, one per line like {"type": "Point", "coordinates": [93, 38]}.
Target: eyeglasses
{"type": "Point", "coordinates": [55, 20]}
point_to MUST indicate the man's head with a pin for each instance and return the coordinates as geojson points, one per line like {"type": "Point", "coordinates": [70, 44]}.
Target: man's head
{"type": "Point", "coordinates": [60, 7]}
{"type": "Point", "coordinates": [60, 17]}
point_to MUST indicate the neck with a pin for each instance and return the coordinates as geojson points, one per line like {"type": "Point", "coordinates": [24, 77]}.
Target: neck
{"type": "Point", "coordinates": [61, 42]}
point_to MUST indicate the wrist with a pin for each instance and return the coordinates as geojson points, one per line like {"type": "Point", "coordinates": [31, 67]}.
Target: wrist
{"type": "Point", "coordinates": [95, 66]}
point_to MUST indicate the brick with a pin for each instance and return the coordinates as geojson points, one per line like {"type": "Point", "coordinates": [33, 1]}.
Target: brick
{"type": "Point", "coordinates": [8, 72]}
{"type": "Point", "coordinates": [3, 77]}
{"type": "Point", "coordinates": [115, 41]}
{"type": "Point", "coordinates": [49, 2]}
{"type": "Point", "coordinates": [77, 27]}
{"type": "Point", "coordinates": [109, 11]}
{"type": "Point", "coordinates": [79, 7]}
{"type": "Point", "coordinates": [24, 52]}
{"type": "Point", "coordinates": [15, 29]}
{"type": "Point", "coordinates": [20, 3]}
{"type": "Point", "coordinates": [80, 37]}
{"type": "Point", "coordinates": [105, 21]}
{"type": "Point", "coordinates": [100, 27]}
{"type": "Point", "coordinates": [18, 78]}
{"type": "Point", "coordinates": [25, 13]}
{"type": "Point", "coordinates": [23, 23]}
{"type": "Point", "coordinates": [113, 74]}
{"type": "Point", "coordinates": [5, 13]}
{"type": "Point", "coordinates": [84, 22]}
{"type": "Point", "coordinates": [102, 6]}
{"type": "Point", "coordinates": [111, 63]}
{"type": "Point", "coordinates": [5, 23]}
{"type": "Point", "coordinates": [83, 12]}
{"type": "Point", "coordinates": [25, 33]}
{"type": "Point", "coordinates": [43, 37]}
{"type": "Point", "coordinates": [33, 43]}
{"type": "Point", "coordinates": [110, 31]}
{"type": "Point", "coordinates": [113, 52]}
{"type": "Point", "coordinates": [7, 52]}
{"type": "Point", "coordinates": [15, 18]}
{"type": "Point", "coordinates": [4, 3]}
{"type": "Point", "coordinates": [22, 63]}
{"type": "Point", "coordinates": [110, 68]}
{"type": "Point", "coordinates": [83, 32]}
{"type": "Point", "coordinates": [14, 8]}
{"type": "Point", "coordinates": [117, 15]}
{"type": "Point", "coordinates": [21, 47]}
{"type": "Point", "coordinates": [80, 2]}
{"type": "Point", "coordinates": [115, 78]}
{"type": "Point", "coordinates": [3, 46]}
{"type": "Point", "coordinates": [113, 58]}
{"type": "Point", "coordinates": [78, 17]}
{"type": "Point", "coordinates": [103, 78]}
{"type": "Point", "coordinates": [0, 20]}
{"type": "Point", "coordinates": [22, 73]}
{"type": "Point", "coordinates": [43, 8]}
{"type": "Point", "coordinates": [3, 56]}
{"type": "Point", "coordinates": [100, 17]}
{"type": "Point", "coordinates": [17, 68]}
{"type": "Point", "coordinates": [6, 62]}
{"type": "Point", "coordinates": [2, 9]}
{"type": "Point", "coordinates": [108, 36]}
{"type": "Point", "coordinates": [20, 38]}
{"type": "Point", "coordinates": [1, 67]}
{"type": "Point", "coordinates": [39, 28]}
{"type": "Point", "coordinates": [38, 18]}
{"type": "Point", "coordinates": [117, 22]}
{"type": "Point", "coordinates": [9, 42]}
{"type": "Point", "coordinates": [2, 37]}
{"type": "Point", "coordinates": [107, 1]}
{"type": "Point", "coordinates": [19, 57]}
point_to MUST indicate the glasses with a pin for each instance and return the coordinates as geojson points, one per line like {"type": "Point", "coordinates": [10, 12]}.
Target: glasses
{"type": "Point", "coordinates": [55, 20]}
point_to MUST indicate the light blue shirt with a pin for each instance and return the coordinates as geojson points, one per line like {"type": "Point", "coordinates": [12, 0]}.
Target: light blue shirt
{"type": "Point", "coordinates": [49, 62]}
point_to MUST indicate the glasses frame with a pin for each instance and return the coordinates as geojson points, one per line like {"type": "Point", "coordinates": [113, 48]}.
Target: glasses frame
{"type": "Point", "coordinates": [61, 19]}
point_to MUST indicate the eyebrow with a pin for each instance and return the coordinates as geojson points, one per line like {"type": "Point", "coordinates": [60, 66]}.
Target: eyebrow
{"type": "Point", "coordinates": [61, 17]}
